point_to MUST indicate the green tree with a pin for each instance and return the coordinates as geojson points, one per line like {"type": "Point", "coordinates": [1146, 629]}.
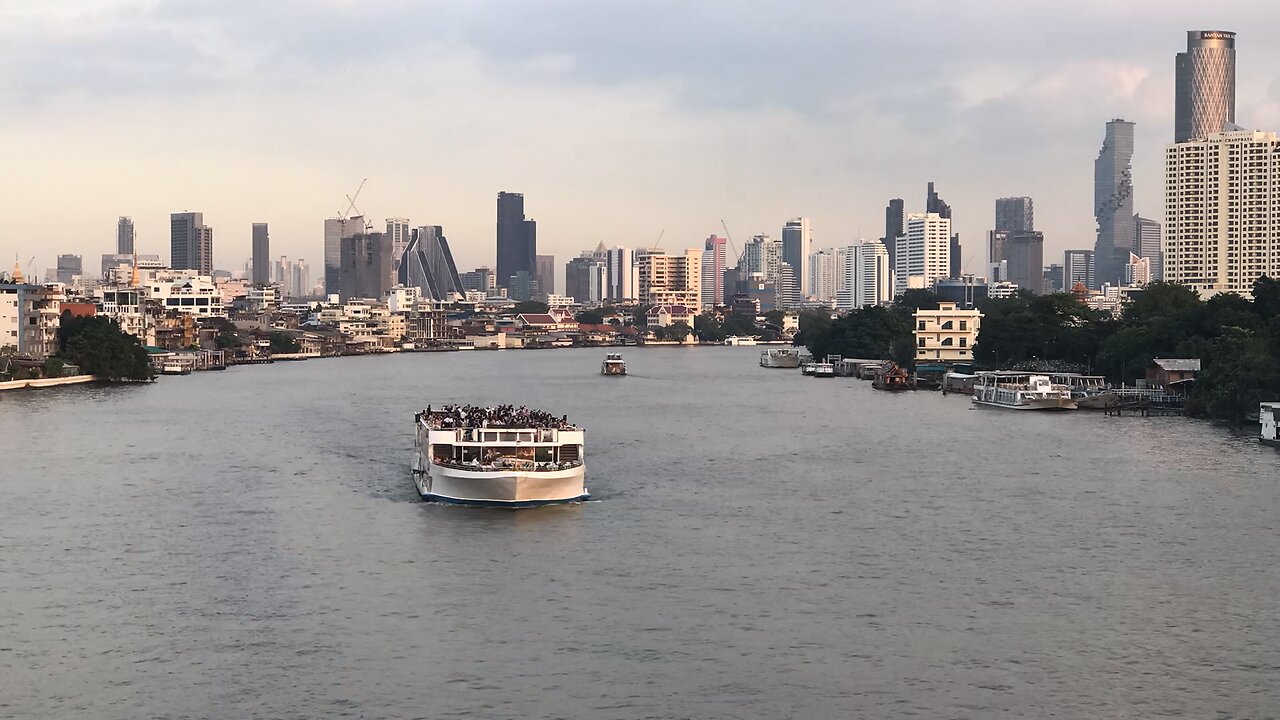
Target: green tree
{"type": "Point", "coordinates": [678, 331]}
{"type": "Point", "coordinates": [531, 307]}
{"type": "Point", "coordinates": [708, 328]}
{"type": "Point", "coordinates": [590, 317]}
{"type": "Point", "coordinates": [99, 347]}
{"type": "Point", "coordinates": [283, 342]}
{"type": "Point", "coordinates": [915, 299]}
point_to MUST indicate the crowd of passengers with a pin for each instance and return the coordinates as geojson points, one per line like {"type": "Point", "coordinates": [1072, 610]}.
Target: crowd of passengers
{"type": "Point", "coordinates": [502, 416]}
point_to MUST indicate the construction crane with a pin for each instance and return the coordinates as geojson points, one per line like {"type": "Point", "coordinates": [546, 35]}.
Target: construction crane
{"type": "Point", "coordinates": [729, 237]}
{"type": "Point", "coordinates": [351, 205]}
{"type": "Point", "coordinates": [659, 242]}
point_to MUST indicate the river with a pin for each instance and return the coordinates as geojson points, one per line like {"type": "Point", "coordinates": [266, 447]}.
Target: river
{"type": "Point", "coordinates": [760, 545]}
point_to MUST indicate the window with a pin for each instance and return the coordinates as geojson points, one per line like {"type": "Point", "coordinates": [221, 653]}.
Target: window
{"type": "Point", "coordinates": [947, 325]}
{"type": "Point", "coordinates": [920, 342]}
{"type": "Point", "coordinates": [964, 324]}
{"type": "Point", "coordinates": [964, 342]}
{"type": "Point", "coordinates": [920, 326]}
{"type": "Point", "coordinates": [947, 342]}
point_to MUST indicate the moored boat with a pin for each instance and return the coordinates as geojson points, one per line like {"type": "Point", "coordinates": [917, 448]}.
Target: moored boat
{"type": "Point", "coordinates": [892, 378]}
{"type": "Point", "coordinates": [613, 365]}
{"type": "Point", "coordinates": [502, 457]}
{"type": "Point", "coordinates": [1269, 418]}
{"type": "Point", "coordinates": [1089, 391]}
{"type": "Point", "coordinates": [1021, 391]}
{"type": "Point", "coordinates": [175, 368]}
{"type": "Point", "coordinates": [783, 358]}
{"type": "Point", "coordinates": [740, 340]}
{"type": "Point", "coordinates": [824, 370]}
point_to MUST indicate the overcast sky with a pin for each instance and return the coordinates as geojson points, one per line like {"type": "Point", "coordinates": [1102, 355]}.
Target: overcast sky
{"type": "Point", "coordinates": [615, 119]}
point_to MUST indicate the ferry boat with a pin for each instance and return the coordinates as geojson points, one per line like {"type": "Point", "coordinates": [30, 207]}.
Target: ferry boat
{"type": "Point", "coordinates": [1269, 418]}
{"type": "Point", "coordinates": [824, 370]}
{"type": "Point", "coordinates": [501, 457]}
{"type": "Point", "coordinates": [1021, 391]}
{"type": "Point", "coordinates": [740, 340]}
{"type": "Point", "coordinates": [613, 365]}
{"type": "Point", "coordinates": [785, 358]}
{"type": "Point", "coordinates": [807, 368]}
{"type": "Point", "coordinates": [175, 368]}
{"type": "Point", "coordinates": [1089, 391]}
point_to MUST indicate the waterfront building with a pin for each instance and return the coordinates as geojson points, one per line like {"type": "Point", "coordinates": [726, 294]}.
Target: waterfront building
{"type": "Point", "coordinates": [124, 236]}
{"type": "Point", "coordinates": [1026, 260]}
{"type": "Point", "coordinates": [182, 290]}
{"type": "Point", "coordinates": [868, 279]}
{"type": "Point", "coordinates": [365, 266]}
{"type": "Point", "coordinates": [947, 334]}
{"type": "Point", "coordinates": [1147, 244]}
{"type": "Point", "coordinates": [823, 285]}
{"type": "Point", "coordinates": [924, 252]}
{"type": "Point", "coordinates": [335, 230]}
{"type": "Point", "coordinates": [190, 243]}
{"type": "Point", "coordinates": [1205, 85]}
{"type": "Point", "coordinates": [427, 264]}
{"type": "Point", "coordinates": [29, 317]}
{"type": "Point", "coordinates": [261, 255]}
{"type": "Point", "coordinates": [797, 237]}
{"type": "Point", "coordinates": [1113, 203]}
{"type": "Point", "coordinates": [517, 240]}
{"type": "Point", "coordinates": [713, 267]}
{"type": "Point", "coordinates": [1077, 267]}
{"type": "Point", "coordinates": [670, 279]}
{"type": "Point", "coordinates": [70, 268]}
{"type": "Point", "coordinates": [1222, 212]}
{"type": "Point", "coordinates": [894, 226]}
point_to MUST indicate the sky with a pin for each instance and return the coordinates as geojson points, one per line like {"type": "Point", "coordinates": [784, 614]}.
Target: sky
{"type": "Point", "coordinates": [619, 121]}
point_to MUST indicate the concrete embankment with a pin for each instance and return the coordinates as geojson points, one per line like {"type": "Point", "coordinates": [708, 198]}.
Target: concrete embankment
{"type": "Point", "coordinates": [46, 382]}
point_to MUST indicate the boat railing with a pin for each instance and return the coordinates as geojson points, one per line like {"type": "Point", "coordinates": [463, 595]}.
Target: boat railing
{"type": "Point", "coordinates": [508, 464]}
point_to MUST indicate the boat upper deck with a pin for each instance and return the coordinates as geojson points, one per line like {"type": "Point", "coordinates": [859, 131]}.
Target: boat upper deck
{"type": "Point", "coordinates": [502, 417]}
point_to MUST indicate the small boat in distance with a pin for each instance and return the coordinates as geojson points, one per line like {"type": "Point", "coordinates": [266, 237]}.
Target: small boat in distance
{"type": "Point", "coordinates": [1021, 391]}
{"type": "Point", "coordinates": [175, 368]}
{"type": "Point", "coordinates": [784, 358]}
{"type": "Point", "coordinates": [740, 340]}
{"type": "Point", "coordinates": [892, 378]}
{"type": "Point", "coordinates": [497, 456]}
{"type": "Point", "coordinates": [1089, 391]}
{"type": "Point", "coordinates": [613, 365]}
{"type": "Point", "coordinates": [824, 370]}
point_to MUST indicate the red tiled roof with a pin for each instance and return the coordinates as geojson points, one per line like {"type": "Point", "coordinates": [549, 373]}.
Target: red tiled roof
{"type": "Point", "coordinates": [538, 319]}
{"type": "Point", "coordinates": [79, 309]}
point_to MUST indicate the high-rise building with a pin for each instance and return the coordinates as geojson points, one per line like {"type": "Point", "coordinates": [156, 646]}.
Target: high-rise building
{"type": "Point", "coordinates": [621, 273]}
{"type": "Point", "coordinates": [713, 262]}
{"type": "Point", "coordinates": [935, 204]}
{"type": "Point", "coordinates": [868, 280]}
{"type": "Point", "coordinates": [261, 255]}
{"type": "Point", "coordinates": [586, 279]}
{"type": "Point", "coordinates": [1026, 260]}
{"type": "Point", "coordinates": [335, 230]}
{"type": "Point", "coordinates": [1015, 213]}
{"type": "Point", "coordinates": [924, 252]}
{"type": "Point", "coordinates": [762, 254]}
{"type": "Point", "coordinates": [124, 236]}
{"type": "Point", "coordinates": [670, 279]}
{"type": "Point", "coordinates": [1205, 85]}
{"type": "Point", "coordinates": [1077, 267]}
{"type": "Point", "coordinates": [1222, 212]}
{"type": "Point", "coordinates": [69, 268]}
{"type": "Point", "coordinates": [1113, 203]}
{"type": "Point", "coordinates": [997, 248]}
{"type": "Point", "coordinates": [300, 285]}
{"type": "Point", "coordinates": [1137, 271]}
{"type": "Point", "coordinates": [479, 280]}
{"type": "Point", "coordinates": [823, 274]}
{"type": "Point", "coordinates": [1053, 278]}
{"type": "Point", "coordinates": [1147, 244]}
{"type": "Point", "coordinates": [894, 219]}
{"type": "Point", "coordinates": [544, 271]}
{"type": "Point", "coordinates": [190, 243]}
{"type": "Point", "coordinates": [366, 266]}
{"type": "Point", "coordinates": [427, 264]}
{"type": "Point", "coordinates": [955, 256]}
{"type": "Point", "coordinates": [797, 238]}
{"type": "Point", "coordinates": [517, 239]}
{"type": "Point", "coordinates": [401, 234]}
{"type": "Point", "coordinates": [787, 287]}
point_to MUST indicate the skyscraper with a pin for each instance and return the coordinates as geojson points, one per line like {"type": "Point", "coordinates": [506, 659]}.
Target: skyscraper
{"type": "Point", "coordinates": [894, 216]}
{"type": "Point", "coordinates": [1014, 214]}
{"type": "Point", "coordinates": [190, 243]}
{"type": "Point", "coordinates": [1113, 203]}
{"type": "Point", "coordinates": [69, 268]}
{"type": "Point", "coordinates": [867, 276]}
{"type": "Point", "coordinates": [401, 234]}
{"type": "Point", "coordinates": [517, 239]}
{"type": "Point", "coordinates": [427, 264]}
{"type": "Point", "coordinates": [935, 204]}
{"type": "Point", "coordinates": [365, 266]}
{"type": "Point", "coordinates": [124, 236]}
{"type": "Point", "coordinates": [261, 255]}
{"type": "Point", "coordinates": [544, 271]}
{"type": "Point", "coordinates": [1077, 267]}
{"type": "Point", "coordinates": [797, 237]}
{"type": "Point", "coordinates": [924, 252]}
{"type": "Point", "coordinates": [762, 254]}
{"type": "Point", "coordinates": [585, 279]}
{"type": "Point", "coordinates": [335, 229]}
{"type": "Point", "coordinates": [670, 279]}
{"type": "Point", "coordinates": [1147, 244]}
{"type": "Point", "coordinates": [1205, 85]}
{"type": "Point", "coordinates": [713, 261]}
{"type": "Point", "coordinates": [620, 274]}
{"type": "Point", "coordinates": [822, 275]}
{"type": "Point", "coordinates": [1026, 260]}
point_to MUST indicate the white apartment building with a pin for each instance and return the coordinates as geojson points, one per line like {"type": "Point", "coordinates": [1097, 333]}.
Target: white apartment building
{"type": "Point", "coordinates": [946, 334]}
{"type": "Point", "coordinates": [183, 290]}
{"type": "Point", "coordinates": [29, 317]}
{"type": "Point", "coordinates": [763, 255]}
{"type": "Point", "coordinates": [867, 278]}
{"type": "Point", "coordinates": [923, 252]}
{"type": "Point", "coordinates": [823, 271]}
{"type": "Point", "coordinates": [670, 279]}
{"type": "Point", "coordinates": [1222, 212]}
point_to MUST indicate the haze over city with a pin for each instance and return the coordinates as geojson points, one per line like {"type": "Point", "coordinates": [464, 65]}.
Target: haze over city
{"type": "Point", "coordinates": [615, 122]}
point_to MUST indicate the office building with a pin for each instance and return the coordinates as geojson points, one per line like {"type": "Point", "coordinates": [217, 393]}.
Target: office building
{"type": "Point", "coordinates": [868, 279]}
{"type": "Point", "coordinates": [622, 274]}
{"type": "Point", "coordinates": [1077, 267]}
{"type": "Point", "coordinates": [261, 255]}
{"type": "Point", "coordinates": [762, 255]}
{"type": "Point", "coordinates": [823, 274]}
{"type": "Point", "coordinates": [670, 279]}
{"type": "Point", "coordinates": [1222, 212]}
{"type": "Point", "coordinates": [1054, 278]}
{"type": "Point", "coordinates": [124, 236]}
{"type": "Point", "coordinates": [1137, 272]}
{"type": "Point", "coordinates": [1015, 214]}
{"type": "Point", "coordinates": [517, 239]}
{"type": "Point", "coordinates": [955, 256]}
{"type": "Point", "coordinates": [997, 249]}
{"type": "Point", "coordinates": [1113, 203]}
{"type": "Point", "coordinates": [894, 225]}
{"type": "Point", "coordinates": [924, 252]}
{"type": "Point", "coordinates": [586, 279]}
{"type": "Point", "coordinates": [401, 234]}
{"type": "Point", "coordinates": [427, 264]}
{"type": "Point", "coordinates": [479, 280]}
{"type": "Point", "coordinates": [1148, 244]}
{"type": "Point", "coordinates": [365, 266]}
{"type": "Point", "coordinates": [1205, 85]}
{"type": "Point", "coordinates": [70, 267]}
{"type": "Point", "coordinates": [1026, 260]}
{"type": "Point", "coordinates": [797, 238]}
{"type": "Point", "coordinates": [967, 292]}
{"type": "Point", "coordinates": [713, 266]}
{"type": "Point", "coordinates": [544, 271]}
{"type": "Point", "coordinates": [190, 243]}
{"type": "Point", "coordinates": [335, 230]}
{"type": "Point", "coordinates": [788, 288]}
{"type": "Point", "coordinates": [935, 204]}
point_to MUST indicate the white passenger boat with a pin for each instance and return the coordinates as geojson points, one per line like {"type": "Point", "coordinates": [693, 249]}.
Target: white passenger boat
{"type": "Point", "coordinates": [824, 370]}
{"type": "Point", "coordinates": [1089, 391]}
{"type": "Point", "coordinates": [503, 457]}
{"type": "Point", "coordinates": [782, 358]}
{"type": "Point", "coordinates": [740, 340]}
{"type": "Point", "coordinates": [1021, 391]}
{"type": "Point", "coordinates": [1269, 417]}
{"type": "Point", "coordinates": [175, 368]}
{"type": "Point", "coordinates": [613, 365]}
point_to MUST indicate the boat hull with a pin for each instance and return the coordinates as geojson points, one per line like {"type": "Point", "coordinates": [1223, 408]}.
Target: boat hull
{"type": "Point", "coordinates": [1034, 404]}
{"type": "Point", "coordinates": [501, 488]}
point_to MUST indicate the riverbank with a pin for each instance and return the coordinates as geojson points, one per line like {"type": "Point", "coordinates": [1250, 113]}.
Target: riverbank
{"type": "Point", "coordinates": [46, 382]}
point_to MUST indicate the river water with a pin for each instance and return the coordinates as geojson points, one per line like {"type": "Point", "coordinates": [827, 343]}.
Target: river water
{"type": "Point", "coordinates": [761, 545]}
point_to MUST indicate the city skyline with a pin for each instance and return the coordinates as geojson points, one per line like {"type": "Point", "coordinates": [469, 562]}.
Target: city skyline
{"type": "Point", "coordinates": [1004, 109]}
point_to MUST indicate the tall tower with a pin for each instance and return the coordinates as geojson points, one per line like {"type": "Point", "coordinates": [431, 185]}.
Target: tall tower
{"type": "Point", "coordinates": [190, 243]}
{"type": "Point", "coordinates": [713, 262]}
{"type": "Point", "coordinates": [261, 255]}
{"type": "Point", "coordinates": [1113, 203]}
{"type": "Point", "coordinates": [1205, 85]}
{"type": "Point", "coordinates": [797, 236]}
{"type": "Point", "coordinates": [124, 236]}
{"type": "Point", "coordinates": [517, 239]}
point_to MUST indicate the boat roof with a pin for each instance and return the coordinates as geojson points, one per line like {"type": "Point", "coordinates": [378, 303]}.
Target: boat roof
{"type": "Point", "coordinates": [495, 422]}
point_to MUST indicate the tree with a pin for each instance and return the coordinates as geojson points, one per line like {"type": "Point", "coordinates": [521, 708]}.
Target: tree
{"type": "Point", "coordinates": [915, 299]}
{"type": "Point", "coordinates": [590, 317]}
{"type": "Point", "coordinates": [678, 331]}
{"type": "Point", "coordinates": [282, 342]}
{"type": "Point", "coordinates": [708, 328]}
{"type": "Point", "coordinates": [228, 335]}
{"type": "Point", "coordinates": [100, 347]}
{"type": "Point", "coordinates": [872, 333]}
{"type": "Point", "coordinates": [531, 307]}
